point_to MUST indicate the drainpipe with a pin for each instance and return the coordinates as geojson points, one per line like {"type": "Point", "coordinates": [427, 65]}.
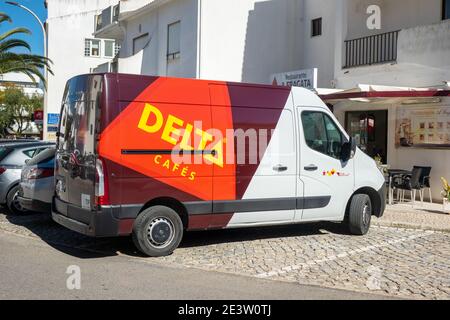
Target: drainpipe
{"type": "Point", "coordinates": [199, 37]}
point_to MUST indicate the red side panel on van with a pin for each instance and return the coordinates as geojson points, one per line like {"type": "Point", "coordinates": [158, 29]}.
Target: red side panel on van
{"type": "Point", "coordinates": [143, 133]}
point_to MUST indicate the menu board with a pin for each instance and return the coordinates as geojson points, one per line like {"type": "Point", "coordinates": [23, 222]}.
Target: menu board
{"type": "Point", "coordinates": [423, 127]}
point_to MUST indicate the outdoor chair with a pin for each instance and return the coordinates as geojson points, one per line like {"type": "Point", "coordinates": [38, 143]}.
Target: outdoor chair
{"type": "Point", "coordinates": [425, 181]}
{"type": "Point", "coordinates": [409, 183]}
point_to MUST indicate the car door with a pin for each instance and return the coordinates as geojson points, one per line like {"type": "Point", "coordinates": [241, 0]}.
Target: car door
{"type": "Point", "coordinates": [328, 181]}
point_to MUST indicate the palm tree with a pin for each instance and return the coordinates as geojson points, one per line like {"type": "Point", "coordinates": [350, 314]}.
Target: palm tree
{"type": "Point", "coordinates": [29, 64]}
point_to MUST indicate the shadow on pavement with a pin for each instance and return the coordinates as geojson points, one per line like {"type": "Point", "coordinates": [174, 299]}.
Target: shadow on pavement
{"type": "Point", "coordinates": [78, 245]}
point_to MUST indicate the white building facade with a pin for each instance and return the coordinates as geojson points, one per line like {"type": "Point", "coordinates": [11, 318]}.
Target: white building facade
{"type": "Point", "coordinates": [72, 48]}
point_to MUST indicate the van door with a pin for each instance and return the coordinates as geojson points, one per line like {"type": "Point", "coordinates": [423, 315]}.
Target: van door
{"type": "Point", "coordinates": [62, 147]}
{"type": "Point", "coordinates": [270, 196]}
{"type": "Point", "coordinates": [328, 182]}
{"type": "Point", "coordinates": [75, 157]}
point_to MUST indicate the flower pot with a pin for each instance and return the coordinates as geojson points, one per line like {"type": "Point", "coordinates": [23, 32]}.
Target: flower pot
{"type": "Point", "coordinates": [446, 205]}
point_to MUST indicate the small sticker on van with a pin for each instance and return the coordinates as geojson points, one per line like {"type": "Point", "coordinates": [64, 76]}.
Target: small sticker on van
{"type": "Point", "coordinates": [85, 201]}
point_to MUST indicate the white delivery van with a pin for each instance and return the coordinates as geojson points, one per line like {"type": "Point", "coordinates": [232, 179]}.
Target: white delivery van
{"type": "Point", "coordinates": [153, 157]}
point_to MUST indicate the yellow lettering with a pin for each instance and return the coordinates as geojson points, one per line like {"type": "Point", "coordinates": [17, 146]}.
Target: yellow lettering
{"type": "Point", "coordinates": [148, 110]}
{"type": "Point", "coordinates": [157, 159]}
{"type": "Point", "coordinates": [170, 130]}
{"type": "Point", "coordinates": [184, 144]}
{"type": "Point", "coordinates": [205, 137]}
{"type": "Point", "coordinates": [217, 159]}
{"type": "Point", "coordinates": [167, 164]}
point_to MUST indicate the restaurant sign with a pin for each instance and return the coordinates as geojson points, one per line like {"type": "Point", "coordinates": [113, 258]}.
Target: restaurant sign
{"type": "Point", "coordinates": [301, 78]}
{"type": "Point", "coordinates": [423, 127]}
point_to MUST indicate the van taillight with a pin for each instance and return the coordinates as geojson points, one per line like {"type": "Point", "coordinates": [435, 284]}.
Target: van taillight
{"type": "Point", "coordinates": [101, 184]}
{"type": "Point", "coordinates": [2, 170]}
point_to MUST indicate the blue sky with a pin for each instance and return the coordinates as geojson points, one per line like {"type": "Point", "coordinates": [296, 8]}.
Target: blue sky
{"type": "Point", "coordinates": [22, 18]}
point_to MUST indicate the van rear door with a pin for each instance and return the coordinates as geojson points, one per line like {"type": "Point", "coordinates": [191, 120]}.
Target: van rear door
{"type": "Point", "coordinates": [76, 157]}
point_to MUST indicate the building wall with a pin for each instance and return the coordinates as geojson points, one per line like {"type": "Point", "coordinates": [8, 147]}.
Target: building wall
{"type": "Point", "coordinates": [154, 56]}
{"type": "Point", "coordinates": [315, 50]}
{"type": "Point", "coordinates": [405, 158]}
{"type": "Point", "coordinates": [69, 22]}
{"type": "Point", "coordinates": [423, 60]}
{"type": "Point", "coordinates": [395, 15]}
{"type": "Point", "coordinates": [423, 56]}
{"type": "Point", "coordinates": [250, 43]}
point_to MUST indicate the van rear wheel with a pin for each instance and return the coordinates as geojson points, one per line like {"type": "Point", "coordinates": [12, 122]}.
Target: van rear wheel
{"type": "Point", "coordinates": [360, 214]}
{"type": "Point", "coordinates": [157, 231]}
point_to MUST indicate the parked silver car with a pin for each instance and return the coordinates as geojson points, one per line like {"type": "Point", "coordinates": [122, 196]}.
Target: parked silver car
{"type": "Point", "coordinates": [12, 159]}
{"type": "Point", "coordinates": [37, 184]}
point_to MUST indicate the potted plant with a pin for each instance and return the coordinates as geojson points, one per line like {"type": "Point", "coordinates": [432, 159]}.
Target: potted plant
{"type": "Point", "coordinates": [446, 194]}
{"type": "Point", "coordinates": [379, 161]}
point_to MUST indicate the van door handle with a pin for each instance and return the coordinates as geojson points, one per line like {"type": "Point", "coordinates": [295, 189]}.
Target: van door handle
{"type": "Point", "coordinates": [279, 168]}
{"type": "Point", "coordinates": [311, 167]}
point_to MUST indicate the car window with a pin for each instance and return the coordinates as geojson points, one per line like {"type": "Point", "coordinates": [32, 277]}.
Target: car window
{"type": "Point", "coordinates": [43, 156]}
{"type": "Point", "coordinates": [321, 133]}
{"type": "Point", "coordinates": [29, 152]}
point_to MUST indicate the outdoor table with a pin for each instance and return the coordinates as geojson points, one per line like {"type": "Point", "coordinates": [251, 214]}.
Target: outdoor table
{"type": "Point", "coordinates": [392, 173]}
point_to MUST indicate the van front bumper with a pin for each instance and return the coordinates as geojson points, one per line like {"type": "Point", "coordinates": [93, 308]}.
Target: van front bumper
{"type": "Point", "coordinates": [382, 193]}
{"type": "Point", "coordinates": [100, 223]}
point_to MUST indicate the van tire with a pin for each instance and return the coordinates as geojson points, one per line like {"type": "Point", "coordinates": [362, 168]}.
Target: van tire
{"type": "Point", "coordinates": [163, 240]}
{"type": "Point", "coordinates": [360, 213]}
{"type": "Point", "coordinates": [12, 202]}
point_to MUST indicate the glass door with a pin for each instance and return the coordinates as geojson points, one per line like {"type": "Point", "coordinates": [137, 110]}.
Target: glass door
{"type": "Point", "coordinates": [369, 128]}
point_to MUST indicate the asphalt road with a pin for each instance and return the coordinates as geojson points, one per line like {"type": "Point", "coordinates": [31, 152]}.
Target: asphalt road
{"type": "Point", "coordinates": [32, 269]}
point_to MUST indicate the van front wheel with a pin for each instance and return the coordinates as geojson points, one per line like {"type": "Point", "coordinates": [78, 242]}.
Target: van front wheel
{"type": "Point", "coordinates": [157, 231]}
{"type": "Point", "coordinates": [360, 213]}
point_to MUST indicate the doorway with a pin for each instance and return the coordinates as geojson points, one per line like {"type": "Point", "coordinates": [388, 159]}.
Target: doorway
{"type": "Point", "coordinates": [369, 128]}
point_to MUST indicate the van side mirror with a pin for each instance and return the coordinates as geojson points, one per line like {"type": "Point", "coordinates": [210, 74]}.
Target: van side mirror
{"type": "Point", "coordinates": [348, 149]}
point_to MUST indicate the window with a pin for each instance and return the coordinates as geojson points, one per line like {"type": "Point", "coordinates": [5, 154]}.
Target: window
{"type": "Point", "coordinates": [109, 48]}
{"type": "Point", "coordinates": [173, 40]}
{"type": "Point", "coordinates": [29, 153]}
{"type": "Point", "coordinates": [91, 48]}
{"type": "Point", "coordinates": [116, 49]}
{"type": "Point", "coordinates": [139, 43]}
{"type": "Point", "coordinates": [445, 9]}
{"type": "Point", "coordinates": [316, 27]}
{"type": "Point", "coordinates": [321, 133]}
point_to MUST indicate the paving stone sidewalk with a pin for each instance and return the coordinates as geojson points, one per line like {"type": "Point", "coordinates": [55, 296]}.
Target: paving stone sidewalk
{"type": "Point", "coordinates": [426, 217]}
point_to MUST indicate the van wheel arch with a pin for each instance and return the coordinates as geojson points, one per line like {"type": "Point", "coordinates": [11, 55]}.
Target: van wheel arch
{"type": "Point", "coordinates": [374, 198]}
{"type": "Point", "coordinates": [172, 203]}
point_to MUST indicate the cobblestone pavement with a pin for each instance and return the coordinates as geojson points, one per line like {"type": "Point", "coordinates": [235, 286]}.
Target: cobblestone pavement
{"type": "Point", "coordinates": [403, 263]}
{"type": "Point", "coordinates": [427, 216]}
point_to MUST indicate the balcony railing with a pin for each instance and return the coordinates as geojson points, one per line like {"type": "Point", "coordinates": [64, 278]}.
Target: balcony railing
{"type": "Point", "coordinates": [379, 48]}
{"type": "Point", "coordinates": [107, 17]}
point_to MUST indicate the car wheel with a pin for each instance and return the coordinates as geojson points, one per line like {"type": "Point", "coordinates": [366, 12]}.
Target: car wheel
{"type": "Point", "coordinates": [13, 203]}
{"type": "Point", "coordinates": [360, 214]}
{"type": "Point", "coordinates": [157, 231]}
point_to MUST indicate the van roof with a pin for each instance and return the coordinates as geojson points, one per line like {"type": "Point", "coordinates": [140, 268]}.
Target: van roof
{"type": "Point", "coordinates": [188, 79]}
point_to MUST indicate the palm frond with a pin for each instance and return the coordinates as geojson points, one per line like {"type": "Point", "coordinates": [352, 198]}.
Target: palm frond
{"type": "Point", "coordinates": [13, 43]}
{"type": "Point", "coordinates": [14, 31]}
{"type": "Point", "coordinates": [4, 17]}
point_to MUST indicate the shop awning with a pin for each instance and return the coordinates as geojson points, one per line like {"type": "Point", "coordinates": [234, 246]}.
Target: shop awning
{"type": "Point", "coordinates": [372, 93]}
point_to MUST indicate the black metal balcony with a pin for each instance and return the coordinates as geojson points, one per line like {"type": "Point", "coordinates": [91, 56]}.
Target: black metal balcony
{"type": "Point", "coordinates": [379, 48]}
